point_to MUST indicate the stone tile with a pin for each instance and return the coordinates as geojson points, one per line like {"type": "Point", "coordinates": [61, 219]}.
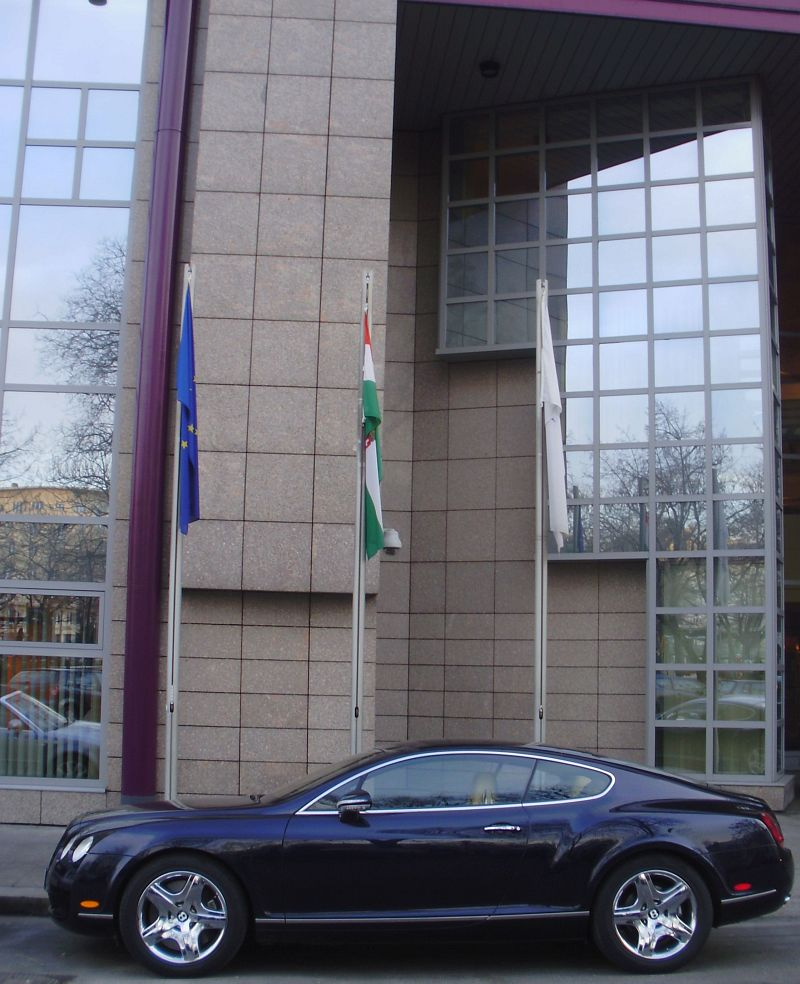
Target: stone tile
{"type": "Point", "coordinates": [22, 806]}
{"type": "Point", "coordinates": [400, 338]}
{"type": "Point", "coordinates": [394, 587]}
{"type": "Point", "coordinates": [284, 353]}
{"type": "Point", "coordinates": [571, 707]}
{"type": "Point", "coordinates": [222, 709]}
{"type": "Point", "coordinates": [471, 679]}
{"type": "Point", "coordinates": [473, 433]}
{"type": "Point", "coordinates": [297, 104]}
{"type": "Point", "coordinates": [294, 164]}
{"type": "Point", "coordinates": [426, 652]}
{"type": "Point", "coordinates": [396, 487]}
{"type": "Point", "coordinates": [516, 483]}
{"type": "Point", "coordinates": [405, 193]}
{"type": "Point", "coordinates": [359, 164]}
{"type": "Point", "coordinates": [263, 676]}
{"type": "Point", "coordinates": [428, 536]}
{"type": "Point", "coordinates": [248, 36]}
{"type": "Point", "coordinates": [515, 706]}
{"type": "Point", "coordinates": [390, 730]}
{"type": "Point", "coordinates": [425, 728]}
{"type": "Point", "coordinates": [222, 485]}
{"type": "Point", "coordinates": [222, 350]}
{"type": "Point", "coordinates": [470, 587]}
{"type": "Point", "coordinates": [365, 49]}
{"type": "Point", "coordinates": [212, 556]}
{"type": "Point", "coordinates": [426, 625]}
{"type": "Point", "coordinates": [470, 535]}
{"type": "Point", "coordinates": [426, 677]}
{"type": "Point", "coordinates": [260, 8]}
{"type": "Point", "coordinates": [514, 732]}
{"type": "Point", "coordinates": [214, 743]}
{"type": "Point", "coordinates": [328, 746]}
{"type": "Point", "coordinates": [300, 46]}
{"type": "Point", "coordinates": [429, 484]}
{"type": "Point", "coordinates": [58, 808]}
{"type": "Point", "coordinates": [278, 608]}
{"type": "Point", "coordinates": [223, 286]}
{"type": "Point", "coordinates": [282, 419]}
{"type": "Point", "coordinates": [212, 607]}
{"type": "Point", "coordinates": [333, 487]}
{"type": "Point", "coordinates": [274, 710]}
{"type": "Point", "coordinates": [331, 639]}
{"type": "Point", "coordinates": [471, 483]}
{"type": "Point", "coordinates": [291, 225]}
{"type": "Point", "coordinates": [366, 10]}
{"type": "Point", "coordinates": [206, 676]}
{"type": "Point", "coordinates": [273, 744]}
{"type": "Point", "coordinates": [514, 628]}
{"type": "Point", "coordinates": [279, 488]}
{"type": "Point", "coordinates": [336, 431]}
{"type": "Point", "coordinates": [233, 101]}
{"type": "Point", "coordinates": [275, 642]}
{"type": "Point", "coordinates": [431, 435]}
{"type": "Point", "coordinates": [473, 384]}
{"type": "Point", "coordinates": [513, 679]}
{"type": "Point", "coordinates": [572, 652]}
{"type": "Point", "coordinates": [622, 734]}
{"type": "Point", "coordinates": [330, 712]}
{"type": "Point", "coordinates": [361, 107]}
{"type": "Point", "coordinates": [339, 353]}
{"type": "Point", "coordinates": [222, 418]}
{"type": "Point", "coordinates": [322, 9]}
{"type": "Point", "coordinates": [399, 393]}
{"type": "Point", "coordinates": [468, 652]}
{"type": "Point", "coordinates": [332, 557]}
{"type": "Point", "coordinates": [218, 151]}
{"type": "Point", "coordinates": [516, 427]}
{"type": "Point", "coordinates": [287, 288]}
{"type": "Point", "coordinates": [357, 228]}
{"type": "Point", "coordinates": [581, 735]}
{"type": "Point", "coordinates": [573, 626]}
{"type": "Point", "coordinates": [623, 652]}
{"type": "Point", "coordinates": [276, 557]}
{"type": "Point", "coordinates": [332, 679]}
{"type": "Point", "coordinates": [202, 778]}
{"type": "Point", "coordinates": [427, 588]}
{"type": "Point", "coordinates": [397, 436]}
{"type": "Point", "coordinates": [515, 534]}
{"type": "Point", "coordinates": [341, 290]}
{"type": "Point", "coordinates": [628, 680]}
{"type": "Point", "coordinates": [620, 707]}
{"type": "Point", "coordinates": [402, 243]}
{"type": "Point", "coordinates": [632, 626]}
{"type": "Point", "coordinates": [470, 625]}
{"type": "Point", "coordinates": [513, 587]}
{"type": "Point", "coordinates": [425, 703]}
{"type": "Point", "coordinates": [468, 705]}
{"type": "Point", "coordinates": [516, 382]}
{"type": "Point", "coordinates": [623, 587]}
{"type": "Point", "coordinates": [431, 385]}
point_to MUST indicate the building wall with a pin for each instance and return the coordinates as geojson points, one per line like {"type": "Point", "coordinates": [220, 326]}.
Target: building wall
{"type": "Point", "coordinates": [456, 606]}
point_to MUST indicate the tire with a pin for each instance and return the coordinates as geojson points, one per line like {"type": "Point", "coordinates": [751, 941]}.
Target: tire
{"type": "Point", "coordinates": [652, 914]}
{"type": "Point", "coordinates": [182, 916]}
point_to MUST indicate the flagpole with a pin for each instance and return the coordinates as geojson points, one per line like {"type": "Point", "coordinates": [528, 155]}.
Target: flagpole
{"type": "Point", "coordinates": [174, 605]}
{"type": "Point", "coordinates": [359, 559]}
{"type": "Point", "coordinates": [539, 573]}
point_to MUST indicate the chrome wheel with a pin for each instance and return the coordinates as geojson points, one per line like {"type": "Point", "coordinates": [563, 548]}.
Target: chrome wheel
{"type": "Point", "coordinates": [655, 914]}
{"type": "Point", "coordinates": [181, 917]}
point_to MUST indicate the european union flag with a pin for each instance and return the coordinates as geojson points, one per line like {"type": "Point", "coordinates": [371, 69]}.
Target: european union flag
{"type": "Point", "coordinates": [188, 471]}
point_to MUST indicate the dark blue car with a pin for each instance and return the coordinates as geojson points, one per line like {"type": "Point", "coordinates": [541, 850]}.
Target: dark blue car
{"type": "Point", "coordinates": [468, 835]}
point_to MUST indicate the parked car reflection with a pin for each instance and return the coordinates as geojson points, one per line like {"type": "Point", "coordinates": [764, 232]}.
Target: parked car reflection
{"type": "Point", "coordinates": [36, 741]}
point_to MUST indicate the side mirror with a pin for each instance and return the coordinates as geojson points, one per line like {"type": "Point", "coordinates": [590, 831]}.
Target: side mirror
{"type": "Point", "coordinates": [353, 805]}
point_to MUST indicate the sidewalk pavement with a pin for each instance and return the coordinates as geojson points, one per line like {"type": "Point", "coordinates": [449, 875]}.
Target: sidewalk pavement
{"type": "Point", "coordinates": [26, 849]}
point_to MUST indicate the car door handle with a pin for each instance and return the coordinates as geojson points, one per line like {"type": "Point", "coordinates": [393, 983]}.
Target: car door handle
{"type": "Point", "coordinates": [502, 828]}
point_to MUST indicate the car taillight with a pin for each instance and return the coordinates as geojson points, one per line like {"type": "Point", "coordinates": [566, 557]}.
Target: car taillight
{"type": "Point", "coordinates": [770, 821]}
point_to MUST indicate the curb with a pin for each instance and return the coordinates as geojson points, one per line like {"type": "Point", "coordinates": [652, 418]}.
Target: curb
{"type": "Point", "coordinates": [23, 902]}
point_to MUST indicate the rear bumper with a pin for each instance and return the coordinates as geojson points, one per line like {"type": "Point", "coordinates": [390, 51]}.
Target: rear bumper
{"type": "Point", "coordinates": [747, 905]}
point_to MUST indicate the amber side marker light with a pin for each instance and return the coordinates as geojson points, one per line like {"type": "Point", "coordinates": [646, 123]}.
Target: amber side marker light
{"type": "Point", "coordinates": [90, 904]}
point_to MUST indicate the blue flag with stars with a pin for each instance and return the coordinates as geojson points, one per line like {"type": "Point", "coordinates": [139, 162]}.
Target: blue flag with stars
{"type": "Point", "coordinates": [188, 472]}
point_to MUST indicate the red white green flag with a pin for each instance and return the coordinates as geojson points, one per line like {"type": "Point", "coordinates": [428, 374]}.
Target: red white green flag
{"type": "Point", "coordinates": [373, 516]}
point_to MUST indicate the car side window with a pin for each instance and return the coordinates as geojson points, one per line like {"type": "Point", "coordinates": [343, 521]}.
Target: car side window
{"type": "Point", "coordinates": [555, 781]}
{"type": "Point", "coordinates": [439, 781]}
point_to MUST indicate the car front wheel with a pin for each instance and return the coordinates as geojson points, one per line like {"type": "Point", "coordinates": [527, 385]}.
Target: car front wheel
{"type": "Point", "coordinates": [182, 916]}
{"type": "Point", "coordinates": [652, 914]}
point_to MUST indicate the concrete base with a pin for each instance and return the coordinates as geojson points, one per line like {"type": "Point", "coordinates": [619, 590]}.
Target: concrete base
{"type": "Point", "coordinates": [777, 794]}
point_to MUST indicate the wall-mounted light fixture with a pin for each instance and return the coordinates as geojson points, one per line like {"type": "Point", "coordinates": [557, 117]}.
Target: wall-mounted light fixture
{"type": "Point", "coordinates": [489, 68]}
{"type": "Point", "coordinates": [98, 3]}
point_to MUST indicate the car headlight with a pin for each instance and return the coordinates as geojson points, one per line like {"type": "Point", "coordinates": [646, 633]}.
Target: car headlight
{"type": "Point", "coordinates": [77, 848]}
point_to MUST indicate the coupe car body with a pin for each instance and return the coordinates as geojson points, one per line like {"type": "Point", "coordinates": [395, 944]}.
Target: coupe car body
{"type": "Point", "coordinates": [428, 835]}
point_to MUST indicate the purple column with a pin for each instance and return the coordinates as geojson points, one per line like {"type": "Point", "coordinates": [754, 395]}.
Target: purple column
{"type": "Point", "coordinates": [145, 537]}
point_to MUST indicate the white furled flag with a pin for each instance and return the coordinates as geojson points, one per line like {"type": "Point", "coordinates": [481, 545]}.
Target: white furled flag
{"type": "Point", "coordinates": [373, 467]}
{"type": "Point", "coordinates": [551, 413]}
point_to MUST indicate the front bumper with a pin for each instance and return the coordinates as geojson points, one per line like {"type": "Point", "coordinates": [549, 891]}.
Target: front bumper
{"type": "Point", "coordinates": [92, 880]}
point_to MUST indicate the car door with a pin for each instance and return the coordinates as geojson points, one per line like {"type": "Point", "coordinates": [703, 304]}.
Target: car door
{"type": "Point", "coordinates": [441, 839]}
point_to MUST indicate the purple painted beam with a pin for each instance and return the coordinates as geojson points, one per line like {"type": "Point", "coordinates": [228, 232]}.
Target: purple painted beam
{"type": "Point", "coordinates": [775, 15]}
{"type": "Point", "coordinates": [145, 536]}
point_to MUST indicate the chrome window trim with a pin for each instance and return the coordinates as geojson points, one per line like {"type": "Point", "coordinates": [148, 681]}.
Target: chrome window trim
{"type": "Point", "coordinates": [307, 810]}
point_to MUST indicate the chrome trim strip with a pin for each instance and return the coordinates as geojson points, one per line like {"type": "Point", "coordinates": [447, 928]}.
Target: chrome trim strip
{"type": "Point", "coordinates": [746, 898]}
{"type": "Point", "coordinates": [584, 913]}
{"type": "Point", "coordinates": [361, 920]}
{"type": "Point", "coordinates": [96, 915]}
{"type": "Point", "coordinates": [480, 806]}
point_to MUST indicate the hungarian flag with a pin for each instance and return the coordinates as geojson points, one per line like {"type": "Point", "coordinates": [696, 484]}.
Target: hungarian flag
{"type": "Point", "coordinates": [373, 517]}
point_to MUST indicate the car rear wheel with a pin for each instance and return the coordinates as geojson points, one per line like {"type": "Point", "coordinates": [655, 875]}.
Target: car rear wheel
{"type": "Point", "coordinates": [183, 916]}
{"type": "Point", "coordinates": [652, 914]}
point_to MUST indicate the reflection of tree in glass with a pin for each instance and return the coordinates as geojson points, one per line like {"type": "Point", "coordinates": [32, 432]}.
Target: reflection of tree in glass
{"type": "Point", "coordinates": [13, 445]}
{"type": "Point", "coordinates": [83, 458]}
{"type": "Point", "coordinates": [52, 552]}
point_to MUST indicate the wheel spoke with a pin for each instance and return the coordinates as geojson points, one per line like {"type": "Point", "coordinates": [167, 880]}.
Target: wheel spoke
{"type": "Point", "coordinates": [654, 914]}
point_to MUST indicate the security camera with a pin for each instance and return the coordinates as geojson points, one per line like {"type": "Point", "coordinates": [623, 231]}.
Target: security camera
{"type": "Point", "coordinates": [391, 541]}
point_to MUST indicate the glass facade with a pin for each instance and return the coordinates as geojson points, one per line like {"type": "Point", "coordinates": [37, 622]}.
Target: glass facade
{"type": "Point", "coordinates": [70, 75]}
{"type": "Point", "coordinates": [649, 215]}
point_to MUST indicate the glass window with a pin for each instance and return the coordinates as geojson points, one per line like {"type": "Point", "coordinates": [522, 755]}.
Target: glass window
{"type": "Point", "coordinates": [10, 118]}
{"type": "Point", "coordinates": [730, 202]}
{"type": "Point", "coordinates": [681, 749]}
{"type": "Point", "coordinates": [623, 419]}
{"type": "Point", "coordinates": [517, 128]}
{"type": "Point", "coordinates": [568, 167]}
{"type": "Point", "coordinates": [622, 261]}
{"type": "Point", "coordinates": [569, 266]}
{"type": "Point", "coordinates": [736, 413]}
{"type": "Point", "coordinates": [681, 582]}
{"type": "Point", "coordinates": [672, 110]}
{"type": "Point", "coordinates": [681, 639]}
{"type": "Point", "coordinates": [726, 104]}
{"type": "Point", "coordinates": [621, 162]}
{"type": "Point", "coordinates": [624, 473]}
{"type": "Point", "coordinates": [580, 368]}
{"type": "Point", "coordinates": [673, 157]}
{"type": "Point", "coordinates": [739, 751]}
{"type": "Point", "coordinates": [579, 412]}
{"type": "Point", "coordinates": [733, 253]}
{"type": "Point", "coordinates": [739, 638]}
{"type": "Point", "coordinates": [58, 356]}
{"type": "Point", "coordinates": [618, 115]}
{"type": "Point", "coordinates": [622, 527]}
{"type": "Point", "coordinates": [678, 309]}
{"type": "Point", "coordinates": [57, 249]}
{"type": "Point", "coordinates": [107, 174]}
{"type": "Point", "coordinates": [42, 618]}
{"type": "Point", "coordinates": [466, 324]}
{"type": "Point", "coordinates": [739, 582]}
{"type": "Point", "coordinates": [680, 416]}
{"type": "Point", "coordinates": [733, 305]}
{"type": "Point", "coordinates": [680, 695]}
{"type": "Point", "coordinates": [70, 686]}
{"type": "Point", "coordinates": [620, 211]}
{"type": "Point", "coordinates": [469, 134]}
{"type": "Point", "coordinates": [557, 781]}
{"type": "Point", "coordinates": [569, 216]}
{"type": "Point", "coordinates": [467, 275]}
{"type": "Point", "coordinates": [469, 179]}
{"type": "Point", "coordinates": [567, 122]}
{"type": "Point", "coordinates": [580, 474]}
{"type": "Point", "coordinates": [515, 321]}
{"type": "Point", "coordinates": [676, 258]}
{"type": "Point", "coordinates": [48, 172]}
{"type": "Point", "coordinates": [728, 152]}
{"type": "Point", "coordinates": [468, 225]}
{"type": "Point", "coordinates": [5, 231]}
{"type": "Point", "coordinates": [738, 468]}
{"type": "Point", "coordinates": [53, 551]}
{"type": "Point", "coordinates": [54, 114]}
{"type": "Point", "coordinates": [739, 523]}
{"type": "Point", "coordinates": [514, 222]}
{"type": "Point", "coordinates": [571, 316]}
{"type": "Point", "coordinates": [580, 529]}
{"type": "Point", "coordinates": [623, 312]}
{"type": "Point", "coordinates": [736, 359]}
{"type": "Point", "coordinates": [623, 365]}
{"type": "Point", "coordinates": [516, 271]}
{"type": "Point", "coordinates": [680, 525]}
{"type": "Point", "coordinates": [675, 206]}
{"type": "Point", "coordinates": [680, 469]}
{"type": "Point", "coordinates": [77, 41]}
{"type": "Point", "coordinates": [517, 174]}
{"type": "Point", "coordinates": [14, 39]}
{"type": "Point", "coordinates": [112, 115]}
{"type": "Point", "coordinates": [679, 359]}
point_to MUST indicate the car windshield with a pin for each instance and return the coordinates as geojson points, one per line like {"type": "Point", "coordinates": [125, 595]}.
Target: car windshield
{"type": "Point", "coordinates": [317, 776]}
{"type": "Point", "coordinates": [37, 714]}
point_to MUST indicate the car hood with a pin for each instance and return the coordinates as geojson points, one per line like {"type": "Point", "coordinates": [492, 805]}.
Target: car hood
{"type": "Point", "coordinates": [156, 811]}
